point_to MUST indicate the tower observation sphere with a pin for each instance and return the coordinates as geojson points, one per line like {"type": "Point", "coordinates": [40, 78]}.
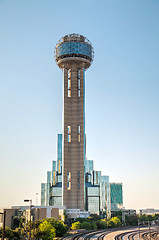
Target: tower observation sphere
{"type": "Point", "coordinates": [73, 54]}
{"type": "Point", "coordinates": [74, 48]}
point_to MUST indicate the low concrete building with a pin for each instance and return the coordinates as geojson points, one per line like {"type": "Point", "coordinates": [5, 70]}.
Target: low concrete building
{"type": "Point", "coordinates": [77, 213]}
{"type": "Point", "coordinates": [10, 214]}
{"type": "Point", "coordinates": [149, 211]}
{"type": "Point", "coordinates": [47, 212]}
{"type": "Point", "coordinates": [40, 212]}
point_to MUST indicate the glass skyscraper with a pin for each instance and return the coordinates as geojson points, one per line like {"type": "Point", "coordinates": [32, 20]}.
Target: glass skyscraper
{"type": "Point", "coordinates": [116, 193]}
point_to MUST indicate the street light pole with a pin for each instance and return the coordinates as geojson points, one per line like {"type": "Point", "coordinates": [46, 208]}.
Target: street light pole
{"type": "Point", "coordinates": [36, 199]}
{"type": "Point", "coordinates": [139, 228]}
{"type": "Point", "coordinates": [149, 229]}
{"type": "Point", "coordinates": [4, 222]}
{"type": "Point", "coordinates": [27, 200]}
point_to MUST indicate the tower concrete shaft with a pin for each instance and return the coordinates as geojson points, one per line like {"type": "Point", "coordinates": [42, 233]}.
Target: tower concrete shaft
{"type": "Point", "coordinates": [73, 54]}
{"type": "Point", "coordinates": [73, 137]}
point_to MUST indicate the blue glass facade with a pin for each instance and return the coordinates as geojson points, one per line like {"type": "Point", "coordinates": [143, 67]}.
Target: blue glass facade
{"type": "Point", "coordinates": [59, 153]}
{"type": "Point", "coordinates": [116, 193]}
{"type": "Point", "coordinates": [89, 166]}
{"type": "Point", "coordinates": [56, 195]}
{"type": "Point", "coordinates": [105, 204]}
{"type": "Point", "coordinates": [69, 48]}
{"type": "Point", "coordinates": [53, 165]}
{"type": "Point", "coordinates": [53, 173]}
{"type": "Point", "coordinates": [49, 177]}
{"type": "Point", "coordinates": [93, 199]}
{"type": "Point", "coordinates": [45, 194]}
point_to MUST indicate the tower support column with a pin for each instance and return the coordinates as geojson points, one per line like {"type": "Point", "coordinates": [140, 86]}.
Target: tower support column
{"type": "Point", "coordinates": [73, 141]}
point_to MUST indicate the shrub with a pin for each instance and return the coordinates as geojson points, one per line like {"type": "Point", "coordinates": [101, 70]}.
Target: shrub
{"type": "Point", "coordinates": [94, 225]}
{"type": "Point", "coordinates": [76, 225]}
{"type": "Point", "coordinates": [86, 225]}
{"type": "Point", "coordinates": [101, 224]}
{"type": "Point", "coordinates": [114, 222]}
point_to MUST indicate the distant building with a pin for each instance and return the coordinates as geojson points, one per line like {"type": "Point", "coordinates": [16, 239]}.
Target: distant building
{"type": "Point", "coordinates": [129, 212]}
{"type": "Point", "coordinates": [10, 214]}
{"type": "Point", "coordinates": [116, 193]}
{"type": "Point", "coordinates": [40, 212]}
{"type": "Point", "coordinates": [149, 211]}
{"type": "Point", "coordinates": [77, 213]}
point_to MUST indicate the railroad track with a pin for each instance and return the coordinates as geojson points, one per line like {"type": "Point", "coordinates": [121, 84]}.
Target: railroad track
{"type": "Point", "coordinates": [154, 235]}
{"type": "Point", "coordinates": [100, 234]}
{"type": "Point", "coordinates": [87, 235]}
{"type": "Point", "coordinates": [121, 235]}
{"type": "Point", "coordinates": [96, 235]}
{"type": "Point", "coordinates": [144, 235]}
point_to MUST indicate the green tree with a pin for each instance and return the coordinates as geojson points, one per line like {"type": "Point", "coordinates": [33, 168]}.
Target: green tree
{"type": "Point", "coordinates": [94, 225]}
{"type": "Point", "coordinates": [10, 234]}
{"type": "Point", "coordinates": [16, 234]}
{"type": "Point", "coordinates": [59, 226]}
{"type": "Point", "coordinates": [76, 225]}
{"type": "Point", "coordinates": [86, 225]}
{"type": "Point", "coordinates": [83, 219]}
{"type": "Point", "coordinates": [131, 220]}
{"type": "Point", "coordinates": [47, 231]}
{"type": "Point", "coordinates": [111, 224]}
{"type": "Point", "coordinates": [101, 224]}
{"type": "Point", "coordinates": [114, 222]}
{"type": "Point", "coordinates": [117, 221]}
{"type": "Point", "coordinates": [94, 217]}
{"type": "Point", "coordinates": [143, 218]}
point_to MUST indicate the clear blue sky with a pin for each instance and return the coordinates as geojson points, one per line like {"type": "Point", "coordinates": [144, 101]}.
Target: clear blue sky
{"type": "Point", "coordinates": [122, 93]}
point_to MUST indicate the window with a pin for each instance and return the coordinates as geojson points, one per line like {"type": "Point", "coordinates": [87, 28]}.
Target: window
{"type": "Point", "coordinates": [59, 167]}
{"type": "Point", "coordinates": [78, 83]}
{"type": "Point", "coordinates": [78, 87]}
{"type": "Point", "coordinates": [69, 138]}
{"type": "Point", "coordinates": [69, 129]}
{"type": "Point", "coordinates": [69, 84]}
{"type": "Point", "coordinates": [54, 178]}
{"type": "Point", "coordinates": [69, 181]}
{"type": "Point", "coordinates": [69, 73]}
{"type": "Point", "coordinates": [69, 93]}
{"type": "Point", "coordinates": [78, 178]}
{"type": "Point", "coordinates": [69, 133]}
{"type": "Point", "coordinates": [78, 73]}
{"type": "Point", "coordinates": [79, 130]}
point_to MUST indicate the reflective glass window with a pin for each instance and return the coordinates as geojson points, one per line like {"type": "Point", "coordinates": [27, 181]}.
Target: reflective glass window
{"type": "Point", "coordinates": [69, 129]}
{"type": "Point", "coordinates": [69, 138]}
{"type": "Point", "coordinates": [69, 93]}
{"type": "Point", "coordinates": [69, 84]}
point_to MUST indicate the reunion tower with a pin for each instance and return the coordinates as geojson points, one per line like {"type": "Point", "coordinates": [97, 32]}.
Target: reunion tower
{"type": "Point", "coordinates": [73, 54]}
